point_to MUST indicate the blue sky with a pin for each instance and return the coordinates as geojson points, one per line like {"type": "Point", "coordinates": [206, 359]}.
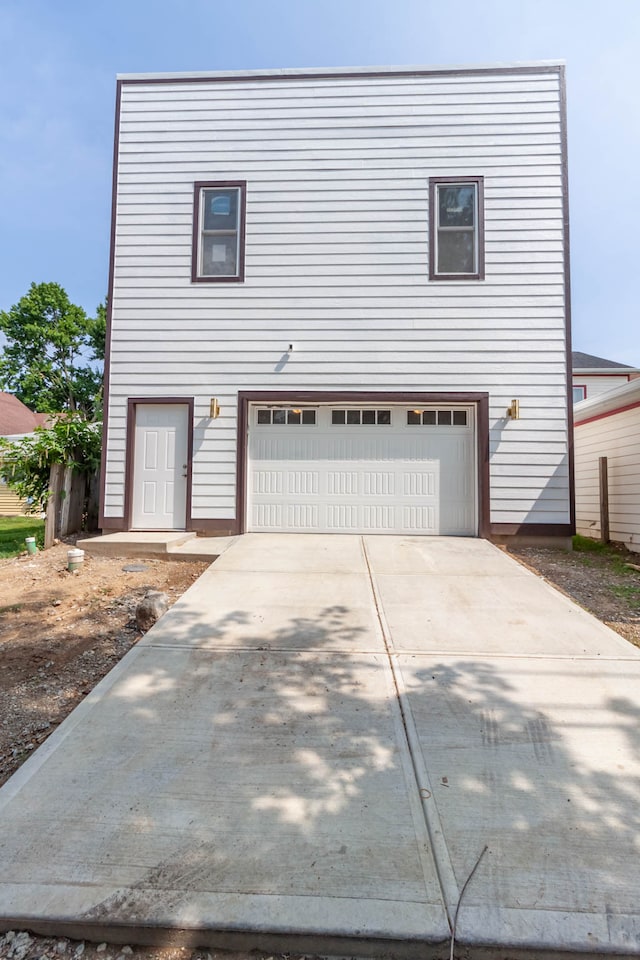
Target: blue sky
{"type": "Point", "coordinates": [57, 89]}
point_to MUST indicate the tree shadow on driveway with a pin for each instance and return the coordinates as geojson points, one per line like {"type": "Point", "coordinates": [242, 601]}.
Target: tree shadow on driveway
{"type": "Point", "coordinates": [275, 767]}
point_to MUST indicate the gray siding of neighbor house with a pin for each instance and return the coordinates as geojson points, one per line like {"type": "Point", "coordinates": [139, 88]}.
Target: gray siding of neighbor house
{"type": "Point", "coordinates": [337, 172]}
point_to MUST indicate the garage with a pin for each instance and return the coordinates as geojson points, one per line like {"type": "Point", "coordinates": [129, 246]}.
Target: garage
{"type": "Point", "coordinates": [362, 468]}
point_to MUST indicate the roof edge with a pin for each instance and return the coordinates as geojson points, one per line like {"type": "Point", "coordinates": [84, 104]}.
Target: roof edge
{"type": "Point", "coordinates": [326, 72]}
{"type": "Point", "coordinates": [609, 402]}
{"type": "Point", "coordinates": [607, 371]}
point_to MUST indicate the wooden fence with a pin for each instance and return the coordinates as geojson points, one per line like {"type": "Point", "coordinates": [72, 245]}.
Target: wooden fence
{"type": "Point", "coordinates": [72, 505]}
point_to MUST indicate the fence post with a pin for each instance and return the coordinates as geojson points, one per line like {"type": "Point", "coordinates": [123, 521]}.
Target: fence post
{"type": "Point", "coordinates": [65, 502]}
{"type": "Point", "coordinates": [76, 494]}
{"type": "Point", "coordinates": [51, 516]}
{"type": "Point", "coordinates": [93, 500]}
{"type": "Point", "coordinates": [604, 500]}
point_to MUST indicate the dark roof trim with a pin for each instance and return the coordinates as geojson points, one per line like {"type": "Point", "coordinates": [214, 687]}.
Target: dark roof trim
{"type": "Point", "coordinates": [567, 296]}
{"type": "Point", "coordinates": [339, 74]}
{"type": "Point", "coordinates": [587, 361]}
{"type": "Point", "coordinates": [107, 352]}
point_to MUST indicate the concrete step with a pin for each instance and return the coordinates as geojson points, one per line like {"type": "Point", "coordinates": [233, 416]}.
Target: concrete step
{"type": "Point", "coordinates": [158, 545]}
{"type": "Point", "coordinates": [202, 548]}
{"type": "Point", "coordinates": [150, 544]}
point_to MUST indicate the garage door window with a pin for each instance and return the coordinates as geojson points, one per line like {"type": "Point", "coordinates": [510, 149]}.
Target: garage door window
{"type": "Point", "coordinates": [366, 418]}
{"type": "Point", "coordinates": [285, 417]}
{"type": "Point", "coordinates": [437, 418]}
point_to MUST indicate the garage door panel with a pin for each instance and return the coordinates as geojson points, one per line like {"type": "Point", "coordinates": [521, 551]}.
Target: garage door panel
{"type": "Point", "coordinates": [421, 484]}
{"type": "Point", "coordinates": [380, 518]}
{"type": "Point", "coordinates": [267, 516]}
{"type": "Point", "coordinates": [378, 483]}
{"type": "Point", "coordinates": [303, 516]}
{"type": "Point", "coordinates": [342, 516]}
{"type": "Point", "coordinates": [419, 519]}
{"type": "Point", "coordinates": [341, 483]}
{"type": "Point", "coordinates": [269, 482]}
{"type": "Point", "coordinates": [303, 482]}
{"type": "Point", "coordinates": [389, 477]}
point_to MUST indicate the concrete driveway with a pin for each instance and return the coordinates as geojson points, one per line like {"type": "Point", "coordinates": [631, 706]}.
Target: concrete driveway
{"type": "Point", "coordinates": [312, 750]}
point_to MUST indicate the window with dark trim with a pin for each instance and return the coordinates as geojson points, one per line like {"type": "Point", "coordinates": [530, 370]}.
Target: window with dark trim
{"type": "Point", "coordinates": [218, 231]}
{"type": "Point", "coordinates": [282, 416]}
{"type": "Point", "coordinates": [437, 418]}
{"type": "Point", "coordinates": [579, 393]}
{"type": "Point", "coordinates": [456, 228]}
{"type": "Point", "coordinates": [366, 418]}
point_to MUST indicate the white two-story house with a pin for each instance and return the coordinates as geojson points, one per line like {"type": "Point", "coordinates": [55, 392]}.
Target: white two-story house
{"type": "Point", "coordinates": [339, 301]}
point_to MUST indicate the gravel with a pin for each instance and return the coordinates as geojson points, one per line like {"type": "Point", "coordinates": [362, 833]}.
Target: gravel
{"type": "Point", "coordinates": [16, 945]}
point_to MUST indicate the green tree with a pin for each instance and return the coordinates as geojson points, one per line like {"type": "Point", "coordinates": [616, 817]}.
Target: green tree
{"type": "Point", "coordinates": [70, 440]}
{"type": "Point", "coordinates": [98, 331]}
{"type": "Point", "coordinates": [52, 359]}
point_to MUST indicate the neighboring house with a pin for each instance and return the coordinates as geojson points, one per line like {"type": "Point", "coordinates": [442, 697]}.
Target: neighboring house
{"type": "Point", "coordinates": [609, 426]}
{"type": "Point", "coordinates": [16, 420]}
{"type": "Point", "coordinates": [326, 289]}
{"type": "Point", "coordinates": [595, 375]}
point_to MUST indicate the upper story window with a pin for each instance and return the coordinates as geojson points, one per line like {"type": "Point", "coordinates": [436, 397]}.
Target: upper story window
{"type": "Point", "coordinates": [579, 393]}
{"type": "Point", "coordinates": [218, 231]}
{"type": "Point", "coordinates": [456, 228]}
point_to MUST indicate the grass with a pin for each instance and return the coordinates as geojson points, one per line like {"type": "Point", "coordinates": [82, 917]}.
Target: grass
{"type": "Point", "coordinates": [589, 550]}
{"type": "Point", "coordinates": [616, 559]}
{"type": "Point", "coordinates": [587, 545]}
{"type": "Point", "coordinates": [628, 592]}
{"type": "Point", "coordinates": [13, 531]}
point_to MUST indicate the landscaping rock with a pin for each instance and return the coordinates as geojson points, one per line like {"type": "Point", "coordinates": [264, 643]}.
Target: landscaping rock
{"type": "Point", "coordinates": [150, 609]}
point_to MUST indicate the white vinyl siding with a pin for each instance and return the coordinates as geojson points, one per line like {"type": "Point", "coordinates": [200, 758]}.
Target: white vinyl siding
{"type": "Point", "coordinates": [598, 384]}
{"type": "Point", "coordinates": [336, 261]}
{"type": "Point", "coordinates": [616, 437]}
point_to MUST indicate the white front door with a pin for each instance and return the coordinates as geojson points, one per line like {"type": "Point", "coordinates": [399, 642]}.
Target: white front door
{"type": "Point", "coordinates": [160, 466]}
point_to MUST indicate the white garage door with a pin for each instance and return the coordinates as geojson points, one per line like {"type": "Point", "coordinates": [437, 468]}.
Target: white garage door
{"type": "Point", "coordinates": [364, 469]}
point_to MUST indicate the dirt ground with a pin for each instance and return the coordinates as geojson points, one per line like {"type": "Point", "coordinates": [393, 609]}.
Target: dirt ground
{"type": "Point", "coordinates": [61, 632]}
{"type": "Point", "coordinates": [602, 583]}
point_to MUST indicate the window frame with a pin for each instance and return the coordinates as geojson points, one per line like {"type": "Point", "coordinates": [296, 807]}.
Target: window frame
{"type": "Point", "coordinates": [376, 411]}
{"type": "Point", "coordinates": [437, 420]}
{"type": "Point", "coordinates": [583, 388]}
{"type": "Point", "coordinates": [196, 246]}
{"type": "Point", "coordinates": [434, 184]}
{"type": "Point", "coordinates": [287, 422]}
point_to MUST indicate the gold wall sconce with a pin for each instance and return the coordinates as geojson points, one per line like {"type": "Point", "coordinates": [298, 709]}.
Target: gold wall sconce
{"type": "Point", "coordinates": [514, 410]}
{"type": "Point", "coordinates": [214, 408]}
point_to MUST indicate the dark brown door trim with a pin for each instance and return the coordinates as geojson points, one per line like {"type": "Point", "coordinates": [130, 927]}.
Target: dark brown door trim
{"type": "Point", "coordinates": [532, 529]}
{"type": "Point", "coordinates": [567, 297]}
{"type": "Point", "coordinates": [132, 403]}
{"type": "Point", "coordinates": [481, 401]}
